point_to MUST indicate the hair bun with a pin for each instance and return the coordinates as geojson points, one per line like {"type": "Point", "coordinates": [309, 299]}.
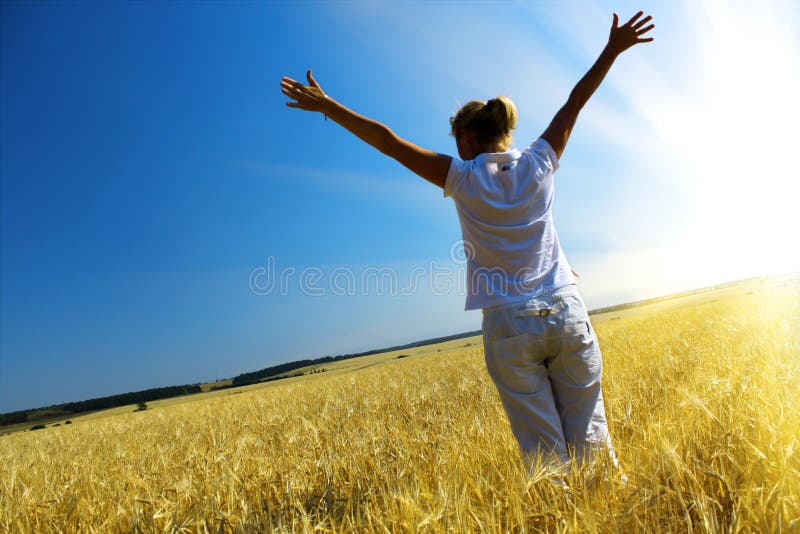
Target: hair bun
{"type": "Point", "coordinates": [490, 121]}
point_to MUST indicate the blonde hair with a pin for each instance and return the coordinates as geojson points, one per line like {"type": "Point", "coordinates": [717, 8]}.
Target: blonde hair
{"type": "Point", "coordinates": [490, 122]}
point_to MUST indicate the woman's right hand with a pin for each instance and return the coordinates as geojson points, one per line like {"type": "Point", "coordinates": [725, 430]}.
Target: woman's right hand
{"type": "Point", "coordinates": [309, 97]}
{"type": "Point", "coordinates": [623, 37]}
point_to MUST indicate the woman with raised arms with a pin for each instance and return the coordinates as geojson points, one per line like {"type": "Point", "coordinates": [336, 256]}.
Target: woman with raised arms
{"type": "Point", "coordinates": [539, 345]}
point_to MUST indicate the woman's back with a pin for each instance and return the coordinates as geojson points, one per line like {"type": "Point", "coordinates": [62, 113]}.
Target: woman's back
{"type": "Point", "coordinates": [504, 203]}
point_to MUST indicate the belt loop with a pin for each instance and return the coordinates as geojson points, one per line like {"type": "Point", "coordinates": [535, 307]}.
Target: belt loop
{"type": "Point", "coordinates": [543, 312]}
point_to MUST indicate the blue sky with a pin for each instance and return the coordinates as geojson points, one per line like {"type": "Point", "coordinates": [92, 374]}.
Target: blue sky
{"type": "Point", "coordinates": [149, 169]}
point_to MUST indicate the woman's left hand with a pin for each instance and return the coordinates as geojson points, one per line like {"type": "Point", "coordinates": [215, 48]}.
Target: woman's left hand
{"type": "Point", "coordinates": [623, 37]}
{"type": "Point", "coordinates": [309, 97]}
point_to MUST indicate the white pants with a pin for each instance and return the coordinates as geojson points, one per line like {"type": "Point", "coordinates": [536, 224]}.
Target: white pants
{"type": "Point", "coordinates": [543, 356]}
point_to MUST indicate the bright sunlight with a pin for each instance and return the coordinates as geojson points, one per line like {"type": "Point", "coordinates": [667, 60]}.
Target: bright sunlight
{"type": "Point", "coordinates": [735, 129]}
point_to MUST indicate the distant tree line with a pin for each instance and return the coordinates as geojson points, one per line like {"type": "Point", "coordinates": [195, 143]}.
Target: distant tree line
{"type": "Point", "coordinates": [269, 373]}
{"type": "Point", "coordinates": [258, 376]}
{"type": "Point", "coordinates": [13, 417]}
{"type": "Point", "coordinates": [102, 403]}
{"type": "Point", "coordinates": [272, 372]}
{"type": "Point", "coordinates": [134, 397]}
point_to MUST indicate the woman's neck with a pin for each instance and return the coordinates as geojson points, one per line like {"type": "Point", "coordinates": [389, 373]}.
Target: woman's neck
{"type": "Point", "coordinates": [492, 150]}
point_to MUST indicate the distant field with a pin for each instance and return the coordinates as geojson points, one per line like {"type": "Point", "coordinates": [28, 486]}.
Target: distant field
{"type": "Point", "coordinates": [702, 398]}
{"type": "Point", "coordinates": [333, 367]}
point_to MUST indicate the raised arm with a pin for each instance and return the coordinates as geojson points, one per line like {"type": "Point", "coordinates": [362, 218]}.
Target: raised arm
{"type": "Point", "coordinates": [620, 39]}
{"type": "Point", "coordinates": [429, 165]}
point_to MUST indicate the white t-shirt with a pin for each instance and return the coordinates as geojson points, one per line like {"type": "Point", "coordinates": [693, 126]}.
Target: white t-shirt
{"type": "Point", "coordinates": [504, 202]}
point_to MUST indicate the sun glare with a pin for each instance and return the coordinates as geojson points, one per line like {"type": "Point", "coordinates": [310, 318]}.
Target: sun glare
{"type": "Point", "coordinates": [734, 128]}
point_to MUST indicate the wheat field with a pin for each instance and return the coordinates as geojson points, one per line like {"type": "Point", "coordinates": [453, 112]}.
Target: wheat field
{"type": "Point", "coordinates": [702, 399]}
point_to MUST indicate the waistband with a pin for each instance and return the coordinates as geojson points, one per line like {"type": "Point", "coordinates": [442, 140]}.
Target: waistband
{"type": "Point", "coordinates": [543, 300]}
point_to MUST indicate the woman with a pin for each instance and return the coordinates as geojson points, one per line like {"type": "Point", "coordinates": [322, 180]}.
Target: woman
{"type": "Point", "coordinates": [540, 349]}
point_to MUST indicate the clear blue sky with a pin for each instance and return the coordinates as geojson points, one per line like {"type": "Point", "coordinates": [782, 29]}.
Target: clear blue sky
{"type": "Point", "coordinates": [149, 167]}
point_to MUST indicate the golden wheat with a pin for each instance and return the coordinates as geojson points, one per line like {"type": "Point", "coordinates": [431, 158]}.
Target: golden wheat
{"type": "Point", "coordinates": [702, 402]}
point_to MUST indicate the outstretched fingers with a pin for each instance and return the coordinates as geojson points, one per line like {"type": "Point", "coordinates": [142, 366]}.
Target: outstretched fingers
{"type": "Point", "coordinates": [641, 32]}
{"type": "Point", "coordinates": [308, 97]}
{"type": "Point", "coordinates": [290, 83]}
{"type": "Point", "coordinates": [642, 22]}
{"type": "Point", "coordinates": [623, 37]}
{"type": "Point", "coordinates": [291, 88]}
{"type": "Point", "coordinates": [288, 91]}
{"type": "Point", "coordinates": [633, 18]}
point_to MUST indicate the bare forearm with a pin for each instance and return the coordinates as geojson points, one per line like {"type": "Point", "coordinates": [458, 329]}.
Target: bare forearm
{"type": "Point", "coordinates": [366, 129]}
{"type": "Point", "coordinates": [620, 38]}
{"type": "Point", "coordinates": [587, 85]}
{"type": "Point", "coordinates": [429, 165]}
{"type": "Point", "coordinates": [560, 128]}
